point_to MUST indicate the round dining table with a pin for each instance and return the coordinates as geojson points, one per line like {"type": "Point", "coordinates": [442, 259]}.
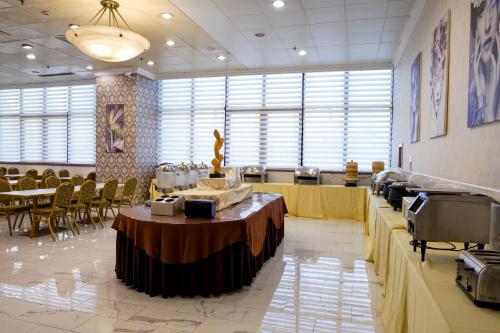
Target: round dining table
{"type": "Point", "coordinates": [177, 255]}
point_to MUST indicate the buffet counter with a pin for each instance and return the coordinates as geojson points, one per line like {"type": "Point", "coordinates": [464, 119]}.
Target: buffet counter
{"type": "Point", "coordinates": [314, 201]}
{"type": "Point", "coordinates": [420, 296]}
{"type": "Point", "coordinates": [176, 255]}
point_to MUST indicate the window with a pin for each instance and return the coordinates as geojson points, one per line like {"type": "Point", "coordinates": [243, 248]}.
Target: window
{"type": "Point", "coordinates": [55, 124]}
{"type": "Point", "coordinates": [320, 119]}
{"type": "Point", "coordinates": [190, 109]}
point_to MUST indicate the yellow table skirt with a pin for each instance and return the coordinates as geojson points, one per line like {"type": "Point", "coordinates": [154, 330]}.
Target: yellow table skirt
{"type": "Point", "coordinates": [423, 297]}
{"type": "Point", "coordinates": [314, 201]}
{"type": "Point", "coordinates": [321, 201]}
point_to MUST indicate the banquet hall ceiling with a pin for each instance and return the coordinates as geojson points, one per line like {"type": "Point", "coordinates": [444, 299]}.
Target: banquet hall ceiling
{"type": "Point", "coordinates": [332, 32]}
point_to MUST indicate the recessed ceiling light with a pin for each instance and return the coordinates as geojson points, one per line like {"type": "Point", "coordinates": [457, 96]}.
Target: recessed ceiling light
{"type": "Point", "coordinates": [259, 34]}
{"type": "Point", "coordinates": [278, 3]}
{"type": "Point", "coordinates": [302, 53]}
{"type": "Point", "coordinates": [150, 62]}
{"type": "Point", "coordinates": [170, 42]}
{"type": "Point", "coordinates": [167, 16]}
{"type": "Point", "coordinates": [46, 12]}
{"type": "Point", "coordinates": [89, 67]}
{"type": "Point", "coordinates": [30, 56]}
{"type": "Point", "coordinates": [27, 46]}
{"type": "Point", "coordinates": [74, 26]}
{"type": "Point", "coordinates": [221, 57]}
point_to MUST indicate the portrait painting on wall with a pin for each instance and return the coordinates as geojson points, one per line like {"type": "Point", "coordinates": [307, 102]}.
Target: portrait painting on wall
{"type": "Point", "coordinates": [439, 77]}
{"type": "Point", "coordinates": [484, 69]}
{"type": "Point", "coordinates": [415, 100]}
{"type": "Point", "coordinates": [115, 114]}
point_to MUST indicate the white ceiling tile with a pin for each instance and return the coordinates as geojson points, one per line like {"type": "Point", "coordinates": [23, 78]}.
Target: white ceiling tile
{"type": "Point", "coordinates": [289, 18]}
{"type": "Point", "coordinates": [399, 8]}
{"type": "Point", "coordinates": [238, 7]}
{"type": "Point", "coordinates": [356, 2]}
{"type": "Point", "coordinates": [308, 4]}
{"type": "Point", "coordinates": [250, 22]}
{"type": "Point", "coordinates": [387, 51]}
{"type": "Point", "coordinates": [300, 31]}
{"type": "Point", "coordinates": [300, 43]}
{"type": "Point", "coordinates": [333, 53]}
{"type": "Point", "coordinates": [324, 15]}
{"type": "Point", "coordinates": [270, 48]}
{"type": "Point", "coordinates": [250, 34]}
{"type": "Point", "coordinates": [369, 49]}
{"type": "Point", "coordinates": [326, 29]}
{"type": "Point", "coordinates": [360, 26]}
{"type": "Point", "coordinates": [364, 38]}
{"type": "Point", "coordinates": [391, 36]}
{"type": "Point", "coordinates": [361, 58]}
{"type": "Point", "coordinates": [290, 5]}
{"type": "Point", "coordinates": [217, 24]}
{"type": "Point", "coordinates": [330, 40]}
{"type": "Point", "coordinates": [366, 11]}
{"type": "Point", "coordinates": [230, 37]}
{"type": "Point", "coordinates": [395, 23]}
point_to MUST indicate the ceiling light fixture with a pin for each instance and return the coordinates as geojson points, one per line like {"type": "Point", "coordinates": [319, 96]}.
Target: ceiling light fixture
{"type": "Point", "coordinates": [221, 57]}
{"type": "Point", "coordinates": [108, 42]}
{"type": "Point", "coordinates": [73, 26]}
{"type": "Point", "coordinates": [89, 67]}
{"type": "Point", "coordinates": [302, 53]}
{"type": "Point", "coordinates": [279, 3]}
{"type": "Point", "coordinates": [31, 56]}
{"type": "Point", "coordinates": [150, 62]}
{"type": "Point", "coordinates": [167, 16]}
{"type": "Point", "coordinates": [259, 34]}
{"type": "Point", "coordinates": [170, 42]}
{"type": "Point", "coordinates": [26, 46]}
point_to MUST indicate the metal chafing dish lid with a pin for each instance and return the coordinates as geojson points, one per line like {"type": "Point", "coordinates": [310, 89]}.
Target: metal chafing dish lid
{"type": "Point", "coordinates": [202, 166]}
{"type": "Point", "coordinates": [166, 168]}
{"type": "Point", "coordinates": [181, 167]}
{"type": "Point", "coordinates": [306, 172]}
{"type": "Point", "coordinates": [192, 166]}
{"type": "Point", "coordinates": [451, 191]}
{"type": "Point", "coordinates": [253, 170]}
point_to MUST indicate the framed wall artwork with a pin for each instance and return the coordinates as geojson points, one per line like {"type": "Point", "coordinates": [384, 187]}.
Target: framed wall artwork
{"type": "Point", "coordinates": [439, 77]}
{"type": "Point", "coordinates": [484, 69]}
{"type": "Point", "coordinates": [115, 115]}
{"type": "Point", "coordinates": [415, 99]}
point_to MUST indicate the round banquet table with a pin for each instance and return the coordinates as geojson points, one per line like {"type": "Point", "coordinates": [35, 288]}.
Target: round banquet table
{"type": "Point", "coordinates": [176, 255]}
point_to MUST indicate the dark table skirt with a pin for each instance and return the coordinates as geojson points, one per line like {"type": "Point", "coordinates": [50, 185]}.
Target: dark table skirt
{"type": "Point", "coordinates": [229, 269]}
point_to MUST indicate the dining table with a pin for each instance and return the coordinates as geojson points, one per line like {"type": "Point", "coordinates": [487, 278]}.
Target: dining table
{"type": "Point", "coordinates": [35, 196]}
{"type": "Point", "coordinates": [15, 183]}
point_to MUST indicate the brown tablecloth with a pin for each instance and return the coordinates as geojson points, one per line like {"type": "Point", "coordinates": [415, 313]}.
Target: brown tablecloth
{"type": "Point", "coordinates": [186, 256]}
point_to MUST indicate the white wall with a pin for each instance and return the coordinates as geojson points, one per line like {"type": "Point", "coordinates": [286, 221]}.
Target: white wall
{"type": "Point", "coordinates": [469, 156]}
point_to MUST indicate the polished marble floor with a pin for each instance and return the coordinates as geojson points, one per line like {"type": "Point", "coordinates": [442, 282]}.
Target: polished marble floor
{"type": "Point", "coordinates": [317, 282]}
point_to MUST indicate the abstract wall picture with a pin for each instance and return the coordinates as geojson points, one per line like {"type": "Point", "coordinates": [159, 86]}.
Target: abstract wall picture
{"type": "Point", "coordinates": [115, 115]}
{"type": "Point", "coordinates": [415, 100]}
{"type": "Point", "coordinates": [439, 77]}
{"type": "Point", "coordinates": [484, 68]}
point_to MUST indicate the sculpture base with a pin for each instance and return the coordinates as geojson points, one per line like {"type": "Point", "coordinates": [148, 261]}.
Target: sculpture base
{"type": "Point", "coordinates": [216, 175]}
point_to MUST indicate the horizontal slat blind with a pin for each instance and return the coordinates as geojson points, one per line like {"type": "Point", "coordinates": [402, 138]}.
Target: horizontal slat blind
{"type": "Point", "coordinates": [190, 109]}
{"type": "Point", "coordinates": [39, 124]}
{"type": "Point", "coordinates": [9, 125]}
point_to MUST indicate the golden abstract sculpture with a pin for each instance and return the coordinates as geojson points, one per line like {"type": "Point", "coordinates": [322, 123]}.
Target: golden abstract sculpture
{"type": "Point", "coordinates": [217, 161]}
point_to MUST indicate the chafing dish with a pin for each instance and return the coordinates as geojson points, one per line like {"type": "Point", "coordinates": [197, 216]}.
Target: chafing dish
{"type": "Point", "coordinates": [202, 170]}
{"type": "Point", "coordinates": [165, 176]}
{"type": "Point", "coordinates": [495, 226]}
{"type": "Point", "coordinates": [253, 174]}
{"type": "Point", "coordinates": [379, 179]}
{"type": "Point", "coordinates": [305, 175]}
{"type": "Point", "coordinates": [182, 176]}
{"type": "Point", "coordinates": [478, 275]}
{"type": "Point", "coordinates": [397, 190]}
{"type": "Point", "coordinates": [194, 175]}
{"type": "Point", "coordinates": [452, 216]}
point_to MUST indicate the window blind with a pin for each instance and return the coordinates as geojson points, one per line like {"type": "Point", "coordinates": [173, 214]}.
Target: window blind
{"type": "Point", "coordinates": [55, 124]}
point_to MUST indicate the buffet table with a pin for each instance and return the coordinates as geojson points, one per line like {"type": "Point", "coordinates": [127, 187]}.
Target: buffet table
{"type": "Point", "coordinates": [421, 296]}
{"type": "Point", "coordinates": [187, 256]}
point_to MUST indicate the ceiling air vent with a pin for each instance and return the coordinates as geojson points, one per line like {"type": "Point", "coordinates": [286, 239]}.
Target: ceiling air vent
{"type": "Point", "coordinates": [56, 74]}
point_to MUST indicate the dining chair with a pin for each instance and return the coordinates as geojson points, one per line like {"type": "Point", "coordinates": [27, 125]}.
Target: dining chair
{"type": "Point", "coordinates": [92, 176]}
{"type": "Point", "coordinates": [13, 171]}
{"type": "Point", "coordinates": [48, 171]}
{"type": "Point", "coordinates": [3, 171]}
{"type": "Point", "coordinates": [77, 180]}
{"type": "Point", "coordinates": [63, 173]}
{"type": "Point", "coordinates": [26, 183]}
{"type": "Point", "coordinates": [127, 194]}
{"type": "Point", "coordinates": [8, 207]}
{"type": "Point", "coordinates": [33, 173]}
{"type": "Point", "coordinates": [4, 177]}
{"type": "Point", "coordinates": [58, 210]}
{"type": "Point", "coordinates": [84, 202]}
{"type": "Point", "coordinates": [52, 182]}
{"type": "Point", "coordinates": [105, 200]}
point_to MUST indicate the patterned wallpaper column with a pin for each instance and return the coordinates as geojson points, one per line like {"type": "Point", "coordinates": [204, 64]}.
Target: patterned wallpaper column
{"type": "Point", "coordinates": [140, 97]}
{"type": "Point", "coordinates": [147, 111]}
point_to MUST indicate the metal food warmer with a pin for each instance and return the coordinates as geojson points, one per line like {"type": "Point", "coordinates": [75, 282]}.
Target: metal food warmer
{"type": "Point", "coordinates": [378, 180]}
{"type": "Point", "coordinates": [253, 174]}
{"type": "Point", "coordinates": [165, 176]}
{"type": "Point", "coordinates": [305, 175]}
{"type": "Point", "coordinates": [438, 215]}
{"type": "Point", "coordinates": [478, 275]}
{"type": "Point", "coordinates": [396, 192]}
